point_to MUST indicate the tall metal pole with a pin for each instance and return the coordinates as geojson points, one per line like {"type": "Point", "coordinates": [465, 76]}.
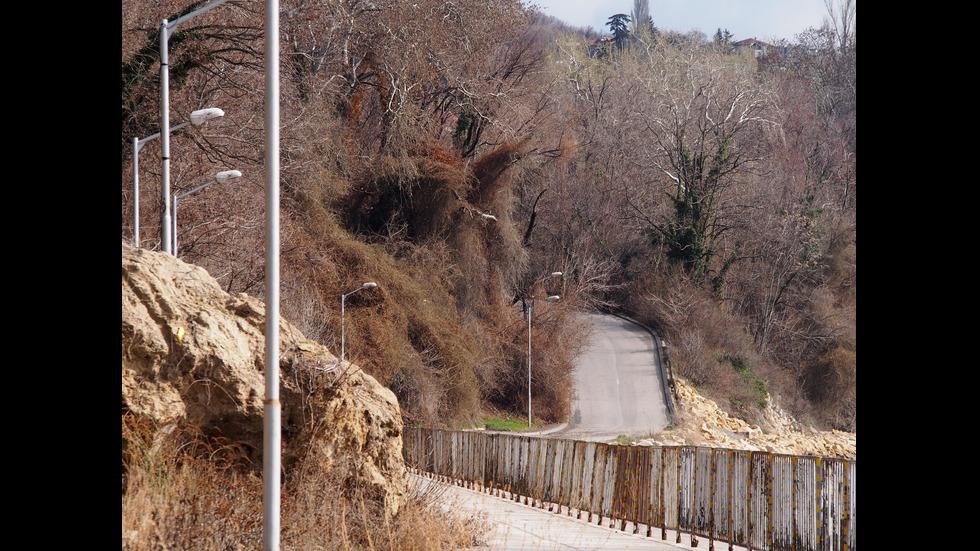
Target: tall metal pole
{"type": "Point", "coordinates": [173, 222]}
{"type": "Point", "coordinates": [272, 430]}
{"type": "Point", "coordinates": [197, 118]}
{"type": "Point", "coordinates": [529, 308]}
{"type": "Point", "coordinates": [136, 191]}
{"type": "Point", "coordinates": [165, 29]}
{"type": "Point", "coordinates": [165, 133]}
{"type": "Point", "coordinates": [222, 177]}
{"type": "Point", "coordinates": [342, 297]}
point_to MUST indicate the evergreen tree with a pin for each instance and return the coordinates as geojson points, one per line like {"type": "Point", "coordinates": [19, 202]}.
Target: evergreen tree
{"type": "Point", "coordinates": [619, 26]}
{"type": "Point", "coordinates": [723, 39]}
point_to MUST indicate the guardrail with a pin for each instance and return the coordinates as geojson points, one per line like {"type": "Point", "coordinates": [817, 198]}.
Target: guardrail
{"type": "Point", "coordinates": [757, 500]}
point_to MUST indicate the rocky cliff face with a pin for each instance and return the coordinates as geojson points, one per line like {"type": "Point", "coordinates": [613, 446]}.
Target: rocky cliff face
{"type": "Point", "coordinates": [702, 423]}
{"type": "Point", "coordinates": [191, 352]}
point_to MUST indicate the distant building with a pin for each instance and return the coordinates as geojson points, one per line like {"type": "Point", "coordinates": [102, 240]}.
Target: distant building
{"type": "Point", "coordinates": [757, 47]}
{"type": "Point", "coordinates": [601, 45]}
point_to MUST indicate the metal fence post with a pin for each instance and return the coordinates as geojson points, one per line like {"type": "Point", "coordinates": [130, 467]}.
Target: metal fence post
{"type": "Point", "coordinates": [711, 503]}
{"type": "Point", "coordinates": [663, 497]}
{"type": "Point", "coordinates": [678, 496]}
{"type": "Point", "coordinates": [748, 502]}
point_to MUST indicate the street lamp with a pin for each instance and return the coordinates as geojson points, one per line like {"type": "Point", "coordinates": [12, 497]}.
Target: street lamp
{"type": "Point", "coordinates": [552, 298]}
{"type": "Point", "coordinates": [272, 408]}
{"type": "Point", "coordinates": [219, 178]}
{"type": "Point", "coordinates": [530, 307]}
{"type": "Point", "coordinates": [367, 285]}
{"type": "Point", "coordinates": [166, 29]}
{"type": "Point", "coordinates": [198, 118]}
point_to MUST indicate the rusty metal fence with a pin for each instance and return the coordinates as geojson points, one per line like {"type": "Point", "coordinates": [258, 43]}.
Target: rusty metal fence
{"type": "Point", "coordinates": [756, 500]}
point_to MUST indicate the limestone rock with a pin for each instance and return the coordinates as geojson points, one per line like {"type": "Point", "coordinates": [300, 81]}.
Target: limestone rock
{"type": "Point", "coordinates": [702, 423]}
{"type": "Point", "coordinates": [194, 353]}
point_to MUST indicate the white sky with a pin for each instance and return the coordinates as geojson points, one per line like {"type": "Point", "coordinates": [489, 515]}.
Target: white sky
{"type": "Point", "coordinates": [767, 20]}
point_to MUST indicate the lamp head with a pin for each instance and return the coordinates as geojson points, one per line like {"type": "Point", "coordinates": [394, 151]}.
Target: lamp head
{"type": "Point", "coordinates": [223, 177]}
{"type": "Point", "coordinates": [368, 285]}
{"type": "Point", "coordinates": [553, 298]}
{"type": "Point", "coordinates": [201, 116]}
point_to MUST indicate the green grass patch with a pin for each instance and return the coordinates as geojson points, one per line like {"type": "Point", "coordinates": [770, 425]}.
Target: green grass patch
{"type": "Point", "coordinates": [507, 421]}
{"type": "Point", "coordinates": [755, 386]}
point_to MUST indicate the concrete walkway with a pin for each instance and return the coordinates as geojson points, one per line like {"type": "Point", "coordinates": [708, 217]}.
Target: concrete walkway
{"type": "Point", "coordinates": [517, 526]}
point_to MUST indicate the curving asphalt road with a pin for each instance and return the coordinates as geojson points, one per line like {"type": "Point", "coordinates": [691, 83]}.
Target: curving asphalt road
{"type": "Point", "coordinates": [618, 388]}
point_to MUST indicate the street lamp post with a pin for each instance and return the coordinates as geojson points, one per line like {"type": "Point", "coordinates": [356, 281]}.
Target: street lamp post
{"type": "Point", "coordinates": [198, 118]}
{"type": "Point", "coordinates": [367, 285]}
{"type": "Point", "coordinates": [166, 29]}
{"type": "Point", "coordinates": [531, 307]}
{"type": "Point", "coordinates": [219, 178]}
{"type": "Point", "coordinates": [272, 409]}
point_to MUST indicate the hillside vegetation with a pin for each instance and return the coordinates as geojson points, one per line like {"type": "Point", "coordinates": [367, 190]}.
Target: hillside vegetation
{"type": "Point", "coordinates": [457, 153]}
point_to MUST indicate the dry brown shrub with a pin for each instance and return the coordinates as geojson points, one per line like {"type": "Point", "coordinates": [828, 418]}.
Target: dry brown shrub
{"type": "Point", "coordinates": [419, 193]}
{"type": "Point", "coordinates": [407, 332]}
{"type": "Point", "coordinates": [831, 385]}
{"type": "Point", "coordinates": [371, 188]}
{"type": "Point", "coordinates": [184, 491]}
{"type": "Point", "coordinates": [558, 337]}
{"type": "Point", "coordinates": [489, 170]}
{"type": "Point", "coordinates": [435, 150]}
{"type": "Point", "coordinates": [709, 346]}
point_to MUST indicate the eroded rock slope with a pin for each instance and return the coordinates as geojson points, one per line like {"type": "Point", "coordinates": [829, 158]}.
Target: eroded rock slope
{"type": "Point", "coordinates": [193, 353]}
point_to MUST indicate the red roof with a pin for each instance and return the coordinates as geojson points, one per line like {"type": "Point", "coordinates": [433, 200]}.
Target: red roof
{"type": "Point", "coordinates": [751, 42]}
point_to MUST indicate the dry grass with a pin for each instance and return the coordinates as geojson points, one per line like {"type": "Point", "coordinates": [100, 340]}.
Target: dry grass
{"type": "Point", "coordinates": [184, 491]}
{"type": "Point", "coordinates": [709, 347]}
{"type": "Point", "coordinates": [439, 330]}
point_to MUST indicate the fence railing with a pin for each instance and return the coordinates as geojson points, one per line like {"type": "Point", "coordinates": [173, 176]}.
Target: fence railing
{"type": "Point", "coordinates": [756, 500]}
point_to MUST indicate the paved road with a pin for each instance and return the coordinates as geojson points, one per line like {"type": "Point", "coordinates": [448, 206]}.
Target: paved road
{"type": "Point", "coordinates": [618, 389]}
{"type": "Point", "coordinates": [517, 526]}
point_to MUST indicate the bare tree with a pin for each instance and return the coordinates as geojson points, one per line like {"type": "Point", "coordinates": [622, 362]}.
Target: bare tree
{"type": "Point", "coordinates": [842, 21]}
{"type": "Point", "coordinates": [707, 121]}
{"type": "Point", "coordinates": [642, 22]}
